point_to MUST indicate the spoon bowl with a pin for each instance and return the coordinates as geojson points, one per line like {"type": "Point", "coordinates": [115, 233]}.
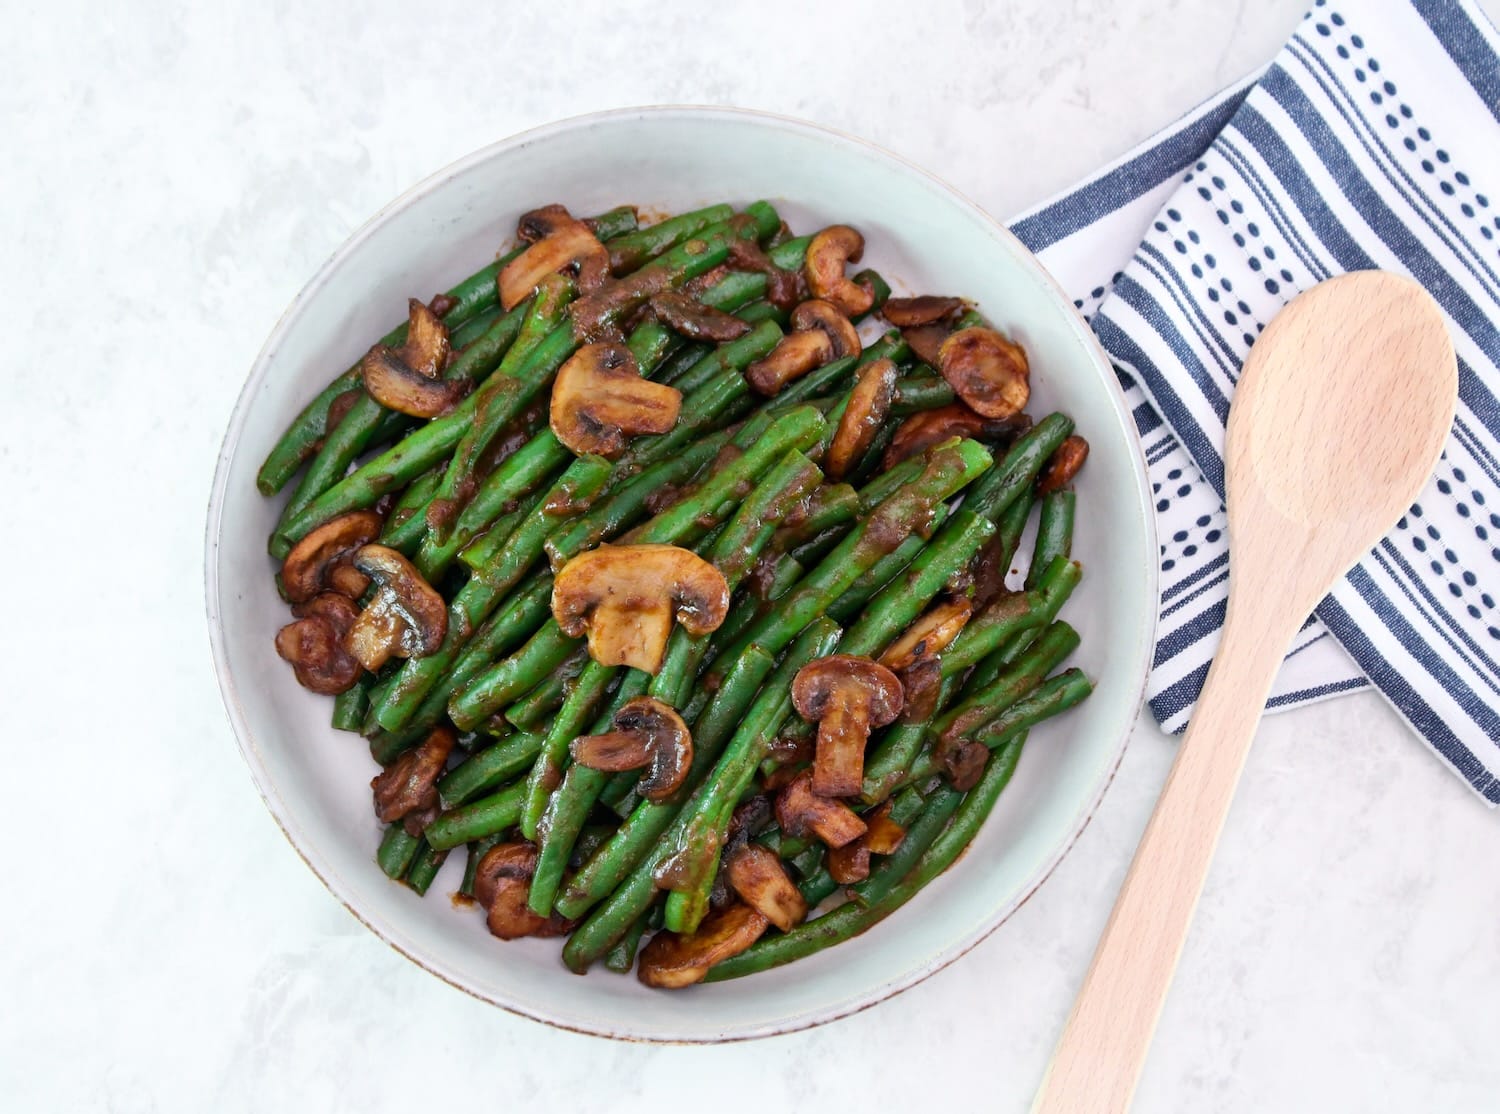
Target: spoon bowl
{"type": "Point", "coordinates": [1337, 421]}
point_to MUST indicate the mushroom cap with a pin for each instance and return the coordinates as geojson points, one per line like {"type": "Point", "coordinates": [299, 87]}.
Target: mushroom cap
{"type": "Point", "coordinates": [397, 386]}
{"type": "Point", "coordinates": [926, 341]}
{"type": "Point", "coordinates": [626, 596]}
{"type": "Point", "coordinates": [827, 254]}
{"type": "Point", "coordinates": [313, 645]}
{"type": "Point", "coordinates": [924, 309]}
{"type": "Point", "coordinates": [307, 568]}
{"type": "Point", "coordinates": [756, 875]}
{"type": "Point", "coordinates": [1062, 465]}
{"type": "Point", "coordinates": [869, 403]}
{"type": "Point", "coordinates": [647, 733]}
{"type": "Point", "coordinates": [599, 397]}
{"type": "Point", "coordinates": [407, 617]}
{"type": "Point", "coordinates": [987, 371]}
{"type": "Point", "coordinates": [842, 676]}
{"type": "Point", "coordinates": [671, 961]}
{"type": "Point", "coordinates": [688, 317]}
{"type": "Point", "coordinates": [818, 313]}
{"type": "Point", "coordinates": [538, 224]}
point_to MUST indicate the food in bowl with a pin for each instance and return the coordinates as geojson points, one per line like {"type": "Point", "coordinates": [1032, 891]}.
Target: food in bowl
{"type": "Point", "coordinates": [674, 600]}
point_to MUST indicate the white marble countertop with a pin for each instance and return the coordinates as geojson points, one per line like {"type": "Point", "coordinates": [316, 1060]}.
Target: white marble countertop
{"type": "Point", "coordinates": [174, 172]}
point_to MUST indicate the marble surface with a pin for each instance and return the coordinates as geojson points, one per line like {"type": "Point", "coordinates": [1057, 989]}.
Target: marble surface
{"type": "Point", "coordinates": [173, 174]}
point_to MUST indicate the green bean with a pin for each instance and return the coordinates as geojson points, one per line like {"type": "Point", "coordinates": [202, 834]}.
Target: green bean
{"type": "Point", "coordinates": [397, 850]}
{"type": "Point", "coordinates": [424, 868]}
{"type": "Point", "coordinates": [1046, 653]}
{"type": "Point", "coordinates": [921, 391]}
{"type": "Point", "coordinates": [1054, 536]}
{"type": "Point", "coordinates": [621, 957]}
{"type": "Point", "coordinates": [488, 769]}
{"type": "Point", "coordinates": [631, 251]}
{"type": "Point", "coordinates": [477, 819]}
{"type": "Point", "coordinates": [476, 851]}
{"type": "Point", "coordinates": [407, 522]}
{"type": "Point", "coordinates": [548, 696]}
{"type": "Point", "coordinates": [349, 707]}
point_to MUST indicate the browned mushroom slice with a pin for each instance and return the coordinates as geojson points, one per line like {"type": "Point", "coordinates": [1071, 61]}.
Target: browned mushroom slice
{"type": "Point", "coordinates": [567, 243]}
{"type": "Point", "coordinates": [799, 811]}
{"type": "Point", "coordinates": [671, 961]}
{"type": "Point", "coordinates": [1063, 465]}
{"type": "Point", "coordinates": [626, 596]}
{"type": "Point", "coordinates": [406, 618]}
{"type": "Point", "coordinates": [926, 341]}
{"type": "Point", "coordinates": [929, 635]}
{"type": "Point", "coordinates": [987, 371]}
{"type": "Point", "coordinates": [820, 334]}
{"type": "Point", "coordinates": [925, 309]}
{"type": "Point", "coordinates": [406, 379]}
{"type": "Point", "coordinates": [647, 733]}
{"type": "Point", "coordinates": [869, 403]}
{"type": "Point", "coordinates": [409, 784]}
{"type": "Point", "coordinates": [755, 874]}
{"type": "Point", "coordinates": [309, 567]}
{"type": "Point", "coordinates": [851, 863]}
{"type": "Point", "coordinates": [932, 427]}
{"type": "Point", "coordinates": [846, 696]}
{"type": "Point", "coordinates": [965, 764]}
{"type": "Point", "coordinates": [314, 644]}
{"type": "Point", "coordinates": [397, 387]}
{"type": "Point", "coordinates": [689, 317]}
{"type": "Point", "coordinates": [599, 398]}
{"type": "Point", "coordinates": [827, 254]}
{"type": "Point", "coordinates": [502, 885]}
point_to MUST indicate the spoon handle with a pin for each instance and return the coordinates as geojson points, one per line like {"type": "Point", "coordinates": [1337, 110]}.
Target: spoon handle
{"type": "Point", "coordinates": [1103, 1047]}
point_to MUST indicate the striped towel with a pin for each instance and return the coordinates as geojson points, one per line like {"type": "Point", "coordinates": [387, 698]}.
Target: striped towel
{"type": "Point", "coordinates": [1373, 140]}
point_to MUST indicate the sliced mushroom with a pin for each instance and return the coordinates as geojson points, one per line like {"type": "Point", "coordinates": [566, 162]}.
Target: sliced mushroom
{"type": "Point", "coordinates": [647, 733]}
{"type": "Point", "coordinates": [599, 397]}
{"type": "Point", "coordinates": [626, 596]}
{"type": "Point", "coordinates": [685, 315]}
{"type": "Point", "coordinates": [502, 885]}
{"type": "Point", "coordinates": [869, 403]}
{"type": "Point", "coordinates": [565, 242]}
{"type": "Point", "coordinates": [851, 863]}
{"type": "Point", "coordinates": [925, 309]}
{"type": "Point", "coordinates": [1063, 465]}
{"type": "Point", "coordinates": [932, 427]}
{"type": "Point", "coordinates": [799, 811]}
{"type": "Point", "coordinates": [314, 644]}
{"type": "Point", "coordinates": [846, 696]}
{"type": "Point", "coordinates": [827, 254]}
{"type": "Point", "coordinates": [310, 567]}
{"type": "Point", "coordinates": [926, 341]}
{"type": "Point", "coordinates": [820, 334]}
{"type": "Point", "coordinates": [405, 619]}
{"type": "Point", "coordinates": [671, 961]}
{"type": "Point", "coordinates": [755, 874]}
{"type": "Point", "coordinates": [538, 224]}
{"type": "Point", "coordinates": [987, 371]}
{"type": "Point", "coordinates": [408, 785]}
{"type": "Point", "coordinates": [406, 379]}
{"type": "Point", "coordinates": [929, 635]}
{"type": "Point", "coordinates": [965, 763]}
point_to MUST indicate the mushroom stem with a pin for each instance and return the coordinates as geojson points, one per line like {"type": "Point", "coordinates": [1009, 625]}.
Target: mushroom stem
{"type": "Point", "coordinates": [843, 732]}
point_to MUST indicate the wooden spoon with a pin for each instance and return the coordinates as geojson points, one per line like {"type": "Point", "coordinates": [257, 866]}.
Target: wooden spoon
{"type": "Point", "coordinates": [1341, 410]}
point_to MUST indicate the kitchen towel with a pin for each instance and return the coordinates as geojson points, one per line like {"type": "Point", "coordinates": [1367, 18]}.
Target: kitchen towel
{"type": "Point", "coordinates": [1372, 141]}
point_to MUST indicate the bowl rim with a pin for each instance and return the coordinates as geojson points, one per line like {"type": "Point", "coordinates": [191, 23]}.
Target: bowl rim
{"type": "Point", "coordinates": [230, 445]}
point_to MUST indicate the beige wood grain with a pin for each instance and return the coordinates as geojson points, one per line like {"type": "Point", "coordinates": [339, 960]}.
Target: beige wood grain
{"type": "Point", "coordinates": [1341, 411]}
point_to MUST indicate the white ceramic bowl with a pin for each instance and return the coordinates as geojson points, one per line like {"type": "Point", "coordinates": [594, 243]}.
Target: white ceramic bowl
{"type": "Point", "coordinates": [923, 237]}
